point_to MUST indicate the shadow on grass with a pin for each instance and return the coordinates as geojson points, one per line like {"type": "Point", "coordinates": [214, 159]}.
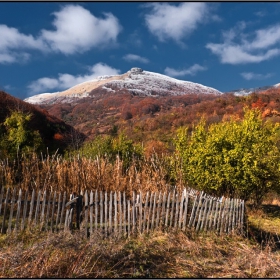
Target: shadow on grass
{"type": "Point", "coordinates": [262, 236]}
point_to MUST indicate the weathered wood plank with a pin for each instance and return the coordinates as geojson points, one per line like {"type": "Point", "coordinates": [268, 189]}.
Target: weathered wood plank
{"type": "Point", "coordinates": [5, 210]}
{"type": "Point", "coordinates": [116, 214]}
{"type": "Point", "coordinates": [106, 213]}
{"type": "Point", "coordinates": [86, 214]}
{"type": "Point", "coordinates": [176, 211]}
{"type": "Point", "coordinates": [53, 207]}
{"type": "Point", "coordinates": [140, 212]}
{"type": "Point", "coordinates": [62, 211]}
{"type": "Point", "coordinates": [124, 213]}
{"type": "Point", "coordinates": [96, 209]}
{"type": "Point", "coordinates": [222, 220]}
{"type": "Point", "coordinates": [181, 206]}
{"type": "Point", "coordinates": [18, 210]}
{"type": "Point", "coordinates": [58, 210]}
{"type": "Point", "coordinates": [172, 208]}
{"type": "Point", "coordinates": [162, 216]}
{"type": "Point", "coordinates": [91, 213]}
{"type": "Point", "coordinates": [145, 212]}
{"type": "Point", "coordinates": [120, 212]}
{"type": "Point", "coordinates": [101, 212]}
{"type": "Point", "coordinates": [66, 223]}
{"type": "Point", "coordinates": [43, 210]}
{"type": "Point", "coordinates": [110, 212]}
{"type": "Point", "coordinates": [1, 198]}
{"type": "Point", "coordinates": [204, 215]}
{"type": "Point", "coordinates": [133, 211]}
{"type": "Point", "coordinates": [200, 210]}
{"type": "Point", "coordinates": [149, 212]}
{"type": "Point", "coordinates": [242, 216]}
{"type": "Point", "coordinates": [24, 211]}
{"type": "Point", "coordinates": [37, 209]}
{"type": "Point", "coordinates": [11, 211]}
{"type": "Point", "coordinates": [217, 204]}
{"type": "Point", "coordinates": [209, 217]}
{"type": "Point", "coordinates": [193, 211]}
{"type": "Point", "coordinates": [167, 210]}
{"type": "Point", "coordinates": [154, 210]}
{"type": "Point", "coordinates": [128, 217]}
{"type": "Point", "coordinates": [158, 209]}
{"type": "Point", "coordinates": [185, 212]}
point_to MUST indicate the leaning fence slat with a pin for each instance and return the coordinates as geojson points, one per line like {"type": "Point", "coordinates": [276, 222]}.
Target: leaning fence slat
{"type": "Point", "coordinates": [11, 211]}
{"type": "Point", "coordinates": [150, 210]}
{"type": "Point", "coordinates": [37, 210]}
{"type": "Point", "coordinates": [204, 220]}
{"type": "Point", "coordinates": [106, 213]}
{"type": "Point", "coordinates": [96, 209]}
{"type": "Point", "coordinates": [209, 215]}
{"type": "Point", "coordinates": [162, 217]}
{"type": "Point", "coordinates": [185, 212]}
{"type": "Point", "coordinates": [86, 213]}
{"type": "Point", "coordinates": [31, 207]}
{"type": "Point", "coordinates": [145, 212]}
{"type": "Point", "coordinates": [53, 207]}
{"type": "Point", "coordinates": [66, 227]}
{"type": "Point", "coordinates": [124, 213]}
{"type": "Point", "coordinates": [128, 217]}
{"type": "Point", "coordinates": [158, 209]}
{"type": "Point", "coordinates": [177, 210]}
{"type": "Point", "coordinates": [140, 211]}
{"type": "Point", "coordinates": [172, 208]}
{"type": "Point", "coordinates": [242, 215]}
{"type": "Point", "coordinates": [223, 216]}
{"type": "Point", "coordinates": [154, 210]}
{"type": "Point", "coordinates": [167, 210]}
{"type": "Point", "coordinates": [5, 210]}
{"type": "Point", "coordinates": [219, 217]}
{"type": "Point", "coordinates": [1, 198]}
{"type": "Point", "coordinates": [133, 211]}
{"type": "Point", "coordinates": [18, 209]}
{"type": "Point", "coordinates": [62, 210]}
{"type": "Point", "coordinates": [229, 226]}
{"type": "Point", "coordinates": [110, 212]}
{"type": "Point", "coordinates": [58, 211]}
{"type": "Point", "coordinates": [200, 210]}
{"type": "Point", "coordinates": [116, 214]}
{"type": "Point", "coordinates": [217, 204]}
{"type": "Point", "coordinates": [43, 210]}
{"type": "Point", "coordinates": [120, 212]}
{"type": "Point", "coordinates": [101, 211]}
{"type": "Point", "coordinates": [181, 210]}
{"type": "Point", "coordinates": [24, 210]}
{"type": "Point", "coordinates": [193, 212]}
{"type": "Point", "coordinates": [90, 213]}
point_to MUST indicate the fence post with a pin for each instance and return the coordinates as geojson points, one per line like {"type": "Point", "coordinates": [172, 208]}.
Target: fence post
{"type": "Point", "coordinates": [24, 210]}
{"type": "Point", "coordinates": [11, 211]}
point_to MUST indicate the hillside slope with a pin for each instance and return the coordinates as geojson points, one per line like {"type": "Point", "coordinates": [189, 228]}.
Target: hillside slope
{"type": "Point", "coordinates": [54, 132]}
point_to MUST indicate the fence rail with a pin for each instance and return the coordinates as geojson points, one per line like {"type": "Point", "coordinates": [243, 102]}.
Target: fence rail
{"type": "Point", "coordinates": [113, 213]}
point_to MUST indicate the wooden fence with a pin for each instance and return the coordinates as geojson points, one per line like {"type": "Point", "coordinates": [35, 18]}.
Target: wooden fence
{"type": "Point", "coordinates": [113, 213]}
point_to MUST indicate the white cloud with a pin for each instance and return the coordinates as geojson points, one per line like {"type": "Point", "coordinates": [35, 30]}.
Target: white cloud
{"type": "Point", "coordinates": [190, 71]}
{"type": "Point", "coordinates": [13, 45]}
{"type": "Point", "coordinates": [76, 31]}
{"type": "Point", "coordinates": [254, 76]}
{"type": "Point", "coordinates": [167, 21]}
{"type": "Point", "coordinates": [264, 45]}
{"type": "Point", "coordinates": [133, 57]}
{"type": "Point", "coordinates": [65, 81]}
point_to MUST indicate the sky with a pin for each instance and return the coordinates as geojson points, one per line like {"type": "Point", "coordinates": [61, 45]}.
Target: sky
{"type": "Point", "coordinates": [52, 46]}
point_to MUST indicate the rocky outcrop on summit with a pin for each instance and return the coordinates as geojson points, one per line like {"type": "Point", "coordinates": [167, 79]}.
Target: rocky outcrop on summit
{"type": "Point", "coordinates": [137, 81]}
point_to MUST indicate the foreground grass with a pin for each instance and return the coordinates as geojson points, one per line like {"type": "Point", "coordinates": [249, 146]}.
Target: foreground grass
{"type": "Point", "coordinates": [154, 255]}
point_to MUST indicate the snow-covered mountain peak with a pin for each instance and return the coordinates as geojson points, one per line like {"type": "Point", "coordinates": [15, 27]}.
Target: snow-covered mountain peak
{"type": "Point", "coordinates": [136, 80]}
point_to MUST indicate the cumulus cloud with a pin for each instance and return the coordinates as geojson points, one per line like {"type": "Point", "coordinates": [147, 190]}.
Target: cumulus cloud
{"type": "Point", "coordinates": [133, 57]}
{"type": "Point", "coordinates": [65, 81]}
{"type": "Point", "coordinates": [76, 31]}
{"type": "Point", "coordinates": [13, 45]}
{"type": "Point", "coordinates": [167, 21]}
{"type": "Point", "coordinates": [264, 45]}
{"type": "Point", "coordinates": [190, 71]}
{"type": "Point", "coordinates": [254, 76]}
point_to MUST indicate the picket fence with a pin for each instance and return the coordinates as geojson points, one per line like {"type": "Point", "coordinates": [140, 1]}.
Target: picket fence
{"type": "Point", "coordinates": [113, 213]}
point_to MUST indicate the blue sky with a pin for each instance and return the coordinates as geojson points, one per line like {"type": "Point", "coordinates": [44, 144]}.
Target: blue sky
{"type": "Point", "coordinates": [49, 47]}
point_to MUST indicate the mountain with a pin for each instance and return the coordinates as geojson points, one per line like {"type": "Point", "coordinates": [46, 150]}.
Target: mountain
{"type": "Point", "coordinates": [54, 132]}
{"type": "Point", "coordinates": [136, 81]}
{"type": "Point", "coordinates": [247, 91]}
